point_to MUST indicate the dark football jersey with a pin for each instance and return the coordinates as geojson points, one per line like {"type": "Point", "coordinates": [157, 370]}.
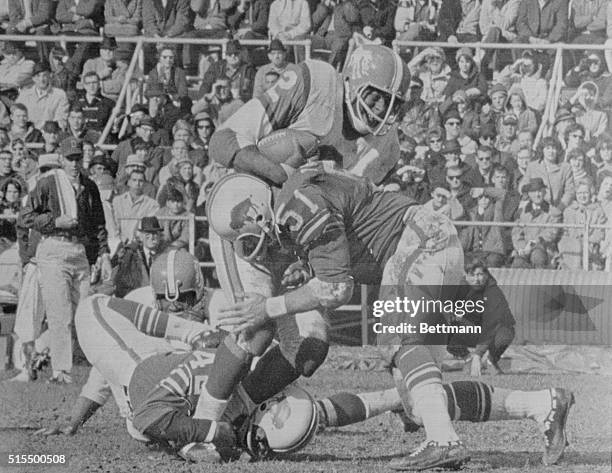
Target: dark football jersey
{"type": "Point", "coordinates": [346, 227]}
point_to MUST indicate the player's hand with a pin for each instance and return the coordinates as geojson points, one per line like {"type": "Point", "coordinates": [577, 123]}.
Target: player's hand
{"type": "Point", "coordinates": [296, 274]}
{"type": "Point", "coordinates": [249, 314]}
{"type": "Point", "coordinates": [475, 368]}
{"type": "Point", "coordinates": [68, 429]}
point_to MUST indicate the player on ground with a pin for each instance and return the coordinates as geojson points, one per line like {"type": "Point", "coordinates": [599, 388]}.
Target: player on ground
{"type": "Point", "coordinates": [348, 118]}
{"type": "Point", "coordinates": [467, 401]}
{"type": "Point", "coordinates": [349, 233]}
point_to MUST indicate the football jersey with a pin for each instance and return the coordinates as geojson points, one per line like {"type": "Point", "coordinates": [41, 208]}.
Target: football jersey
{"type": "Point", "coordinates": [346, 227]}
{"type": "Point", "coordinates": [308, 97]}
{"type": "Point", "coordinates": [167, 383]}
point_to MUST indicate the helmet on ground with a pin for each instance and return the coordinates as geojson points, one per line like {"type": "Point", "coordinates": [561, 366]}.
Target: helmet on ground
{"type": "Point", "coordinates": [176, 272]}
{"type": "Point", "coordinates": [239, 209]}
{"type": "Point", "coordinates": [376, 83]}
{"type": "Point", "coordinates": [284, 423]}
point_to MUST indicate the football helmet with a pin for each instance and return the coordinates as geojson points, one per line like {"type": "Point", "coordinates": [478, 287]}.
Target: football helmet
{"type": "Point", "coordinates": [239, 210]}
{"type": "Point", "coordinates": [284, 423]}
{"type": "Point", "coordinates": [176, 272]}
{"type": "Point", "coordinates": [373, 75]}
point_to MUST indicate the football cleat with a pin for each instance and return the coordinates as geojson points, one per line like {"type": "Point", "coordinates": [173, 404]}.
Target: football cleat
{"type": "Point", "coordinates": [433, 455]}
{"type": "Point", "coordinates": [555, 437]}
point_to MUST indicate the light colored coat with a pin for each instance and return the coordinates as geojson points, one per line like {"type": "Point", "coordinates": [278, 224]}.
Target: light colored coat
{"type": "Point", "coordinates": [289, 16]}
{"type": "Point", "coordinates": [559, 180]}
{"type": "Point", "coordinates": [52, 105]}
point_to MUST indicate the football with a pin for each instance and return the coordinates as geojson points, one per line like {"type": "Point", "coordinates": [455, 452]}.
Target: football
{"type": "Point", "coordinates": [292, 147]}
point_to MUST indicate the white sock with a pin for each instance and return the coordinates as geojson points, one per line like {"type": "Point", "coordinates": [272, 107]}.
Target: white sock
{"type": "Point", "coordinates": [380, 401]}
{"type": "Point", "coordinates": [528, 404]}
{"type": "Point", "coordinates": [430, 405]}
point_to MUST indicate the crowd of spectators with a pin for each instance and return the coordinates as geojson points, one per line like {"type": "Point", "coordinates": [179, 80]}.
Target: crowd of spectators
{"type": "Point", "coordinates": [469, 130]}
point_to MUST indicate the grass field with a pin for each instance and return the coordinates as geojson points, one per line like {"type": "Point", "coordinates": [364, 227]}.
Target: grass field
{"type": "Point", "coordinates": [103, 445]}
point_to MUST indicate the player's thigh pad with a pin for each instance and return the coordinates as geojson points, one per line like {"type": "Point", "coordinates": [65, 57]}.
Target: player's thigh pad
{"type": "Point", "coordinates": [111, 342]}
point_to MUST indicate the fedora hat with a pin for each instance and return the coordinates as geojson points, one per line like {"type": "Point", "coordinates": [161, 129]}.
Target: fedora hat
{"type": "Point", "coordinates": [150, 225]}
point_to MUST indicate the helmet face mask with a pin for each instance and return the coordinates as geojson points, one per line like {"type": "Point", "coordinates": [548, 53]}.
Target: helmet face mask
{"type": "Point", "coordinates": [376, 109]}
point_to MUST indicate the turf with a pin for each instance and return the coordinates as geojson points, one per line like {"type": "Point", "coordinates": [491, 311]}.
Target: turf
{"type": "Point", "coordinates": [103, 444]}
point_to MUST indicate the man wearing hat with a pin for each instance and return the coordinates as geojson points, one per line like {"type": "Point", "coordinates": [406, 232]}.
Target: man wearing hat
{"type": "Point", "coordinates": [15, 70]}
{"type": "Point", "coordinates": [136, 162]}
{"type": "Point", "coordinates": [453, 123]}
{"type": "Point", "coordinates": [164, 111]}
{"type": "Point", "coordinates": [277, 54]}
{"type": "Point", "coordinates": [43, 101]}
{"type": "Point", "coordinates": [110, 71]}
{"type": "Point", "coordinates": [233, 66]}
{"type": "Point", "coordinates": [144, 130]}
{"type": "Point", "coordinates": [508, 128]}
{"type": "Point", "coordinates": [65, 207]}
{"type": "Point", "coordinates": [534, 247]}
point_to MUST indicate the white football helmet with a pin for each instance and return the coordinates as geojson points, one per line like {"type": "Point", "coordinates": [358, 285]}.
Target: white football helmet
{"type": "Point", "coordinates": [239, 209]}
{"type": "Point", "coordinates": [284, 423]}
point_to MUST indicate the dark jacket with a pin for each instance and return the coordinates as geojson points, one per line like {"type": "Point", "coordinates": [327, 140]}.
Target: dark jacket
{"type": "Point", "coordinates": [96, 113]}
{"type": "Point", "coordinates": [260, 10]}
{"type": "Point", "coordinates": [347, 19]}
{"type": "Point", "coordinates": [172, 21]}
{"type": "Point", "coordinates": [245, 74]}
{"type": "Point", "coordinates": [43, 12]}
{"type": "Point", "coordinates": [449, 18]}
{"type": "Point", "coordinates": [175, 85]}
{"type": "Point", "coordinates": [43, 207]}
{"type": "Point", "coordinates": [380, 17]}
{"type": "Point", "coordinates": [457, 82]}
{"type": "Point", "coordinates": [92, 12]}
{"type": "Point", "coordinates": [551, 23]}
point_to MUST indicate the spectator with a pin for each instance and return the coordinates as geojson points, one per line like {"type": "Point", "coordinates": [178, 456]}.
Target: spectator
{"type": "Point", "coordinates": [84, 17]}
{"type": "Point", "coordinates": [439, 201]}
{"type": "Point", "coordinates": [563, 119]}
{"type": "Point", "coordinates": [594, 121]}
{"type": "Point", "coordinates": [258, 25]}
{"type": "Point", "coordinates": [172, 78]}
{"type": "Point", "coordinates": [110, 71]}
{"type": "Point", "coordinates": [175, 232]}
{"type": "Point", "coordinates": [507, 138]}
{"type": "Point", "coordinates": [289, 19]}
{"type": "Point", "coordinates": [106, 187]}
{"type": "Point", "coordinates": [535, 247]}
{"type": "Point", "coordinates": [333, 25]}
{"type": "Point", "coordinates": [73, 224]}
{"type": "Point", "coordinates": [219, 103]}
{"type": "Point", "coordinates": [12, 191]}
{"type": "Point", "coordinates": [32, 18]}
{"type": "Point", "coordinates": [556, 175]}
{"type": "Point", "coordinates": [588, 21]}
{"type": "Point", "coordinates": [21, 128]}
{"type": "Point", "coordinates": [98, 167]}
{"type": "Point", "coordinates": [24, 162]}
{"type": "Point", "coordinates": [527, 73]}
{"type": "Point", "coordinates": [418, 117]}
{"type": "Point", "coordinates": [61, 76]}
{"type": "Point", "coordinates": [179, 153]}
{"type": "Point", "coordinates": [164, 111]}
{"type": "Point", "coordinates": [43, 101]}
{"type": "Point", "coordinates": [542, 23]}
{"type": "Point", "coordinates": [415, 20]}
{"type": "Point", "coordinates": [88, 153]}
{"type": "Point", "coordinates": [603, 157]}
{"type": "Point", "coordinates": [173, 20]}
{"type": "Point", "coordinates": [240, 73]}
{"type": "Point", "coordinates": [510, 203]}
{"type": "Point", "coordinates": [96, 108]}
{"type": "Point", "coordinates": [430, 66]}
{"type": "Point", "coordinates": [15, 70]}
{"type": "Point", "coordinates": [413, 181]}
{"type": "Point", "coordinates": [133, 205]}
{"type": "Point", "coordinates": [517, 105]}
{"type": "Point", "coordinates": [497, 24]}
{"type": "Point", "coordinates": [51, 133]}
{"type": "Point", "coordinates": [204, 129]}
{"type": "Point", "coordinates": [277, 54]}
{"type": "Point", "coordinates": [470, 121]}
{"type": "Point", "coordinates": [138, 162]}
{"type": "Point", "coordinates": [523, 158]}
{"type": "Point", "coordinates": [574, 138]}
{"type": "Point", "coordinates": [6, 168]}
{"type": "Point", "coordinates": [452, 130]}
{"type": "Point", "coordinates": [591, 69]}
{"type": "Point", "coordinates": [144, 131]}
{"type": "Point", "coordinates": [460, 200]}
{"type": "Point", "coordinates": [482, 174]}
{"type": "Point", "coordinates": [580, 211]}
{"type": "Point", "coordinates": [485, 242]}
{"type": "Point", "coordinates": [496, 321]}
{"type": "Point", "coordinates": [122, 18]}
{"type": "Point", "coordinates": [487, 137]}
{"type": "Point", "coordinates": [134, 260]}
{"type": "Point", "coordinates": [581, 171]}
{"type": "Point", "coordinates": [458, 21]}
{"type": "Point", "coordinates": [76, 126]}
{"type": "Point", "coordinates": [467, 77]}
{"type": "Point", "coordinates": [499, 97]}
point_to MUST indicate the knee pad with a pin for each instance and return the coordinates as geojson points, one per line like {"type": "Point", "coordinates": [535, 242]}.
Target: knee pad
{"type": "Point", "coordinates": [305, 354]}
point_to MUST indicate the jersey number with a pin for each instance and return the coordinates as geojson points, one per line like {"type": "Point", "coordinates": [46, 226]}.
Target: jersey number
{"type": "Point", "coordinates": [291, 218]}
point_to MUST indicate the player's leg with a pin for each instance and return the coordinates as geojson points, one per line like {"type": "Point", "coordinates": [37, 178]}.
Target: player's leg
{"type": "Point", "coordinates": [234, 355]}
{"type": "Point", "coordinates": [420, 273]}
{"type": "Point", "coordinates": [472, 401]}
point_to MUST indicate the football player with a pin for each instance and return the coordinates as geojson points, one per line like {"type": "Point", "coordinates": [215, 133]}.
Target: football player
{"type": "Point", "coordinates": [351, 119]}
{"type": "Point", "coordinates": [349, 233]}
{"type": "Point", "coordinates": [472, 401]}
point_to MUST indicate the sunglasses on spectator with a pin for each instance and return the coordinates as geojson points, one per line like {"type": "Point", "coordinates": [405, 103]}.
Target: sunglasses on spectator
{"type": "Point", "coordinates": [488, 137]}
{"type": "Point", "coordinates": [434, 140]}
{"type": "Point", "coordinates": [453, 123]}
{"type": "Point", "coordinates": [92, 82]}
{"type": "Point", "coordinates": [453, 178]}
{"type": "Point", "coordinates": [486, 158]}
{"type": "Point", "coordinates": [203, 127]}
